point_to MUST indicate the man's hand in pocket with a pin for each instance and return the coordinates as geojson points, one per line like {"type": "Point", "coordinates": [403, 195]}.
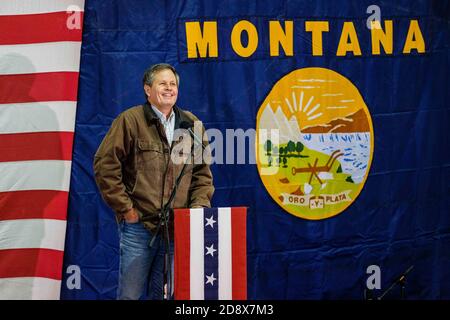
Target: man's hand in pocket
{"type": "Point", "coordinates": [131, 216]}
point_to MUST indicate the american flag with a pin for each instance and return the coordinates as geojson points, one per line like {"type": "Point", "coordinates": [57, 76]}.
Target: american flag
{"type": "Point", "coordinates": [40, 42]}
{"type": "Point", "coordinates": [210, 254]}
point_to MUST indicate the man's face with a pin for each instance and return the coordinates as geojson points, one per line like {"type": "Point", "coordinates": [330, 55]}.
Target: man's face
{"type": "Point", "coordinates": [164, 91]}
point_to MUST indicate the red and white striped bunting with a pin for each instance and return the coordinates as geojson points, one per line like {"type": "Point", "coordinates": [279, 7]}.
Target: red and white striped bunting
{"type": "Point", "coordinates": [210, 254]}
{"type": "Point", "coordinates": [39, 69]}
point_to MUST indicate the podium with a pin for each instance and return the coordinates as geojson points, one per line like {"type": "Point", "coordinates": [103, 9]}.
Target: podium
{"type": "Point", "coordinates": [210, 254]}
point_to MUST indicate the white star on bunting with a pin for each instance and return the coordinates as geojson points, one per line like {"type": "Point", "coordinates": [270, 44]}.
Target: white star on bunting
{"type": "Point", "coordinates": [210, 222]}
{"type": "Point", "coordinates": [211, 279]}
{"type": "Point", "coordinates": [210, 250]}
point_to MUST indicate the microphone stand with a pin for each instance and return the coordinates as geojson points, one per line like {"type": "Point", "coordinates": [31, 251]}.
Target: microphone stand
{"type": "Point", "coordinates": [164, 221]}
{"type": "Point", "coordinates": [368, 294]}
{"type": "Point", "coordinates": [400, 281]}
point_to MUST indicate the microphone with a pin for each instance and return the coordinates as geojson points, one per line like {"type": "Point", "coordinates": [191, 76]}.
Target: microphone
{"type": "Point", "coordinates": [401, 280]}
{"type": "Point", "coordinates": [188, 126]}
{"type": "Point", "coordinates": [402, 277]}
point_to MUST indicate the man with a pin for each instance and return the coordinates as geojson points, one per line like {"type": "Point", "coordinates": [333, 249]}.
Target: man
{"type": "Point", "coordinates": [136, 173]}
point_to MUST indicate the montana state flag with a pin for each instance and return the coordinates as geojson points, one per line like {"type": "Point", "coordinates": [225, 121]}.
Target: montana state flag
{"type": "Point", "coordinates": [210, 254]}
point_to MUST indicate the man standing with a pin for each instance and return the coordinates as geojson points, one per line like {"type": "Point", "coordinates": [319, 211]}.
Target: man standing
{"type": "Point", "coordinates": [136, 174]}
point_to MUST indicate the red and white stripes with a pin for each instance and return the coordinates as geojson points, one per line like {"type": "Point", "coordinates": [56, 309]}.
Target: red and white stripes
{"type": "Point", "coordinates": [210, 254]}
{"type": "Point", "coordinates": [40, 47]}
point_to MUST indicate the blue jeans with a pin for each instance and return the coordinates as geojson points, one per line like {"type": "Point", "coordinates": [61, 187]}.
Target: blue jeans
{"type": "Point", "coordinates": [141, 266]}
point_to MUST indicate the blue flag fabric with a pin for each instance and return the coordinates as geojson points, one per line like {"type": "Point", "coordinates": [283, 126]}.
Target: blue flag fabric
{"type": "Point", "coordinates": [399, 218]}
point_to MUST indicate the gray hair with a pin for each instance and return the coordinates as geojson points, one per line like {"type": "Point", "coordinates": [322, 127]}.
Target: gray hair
{"type": "Point", "coordinates": [149, 75]}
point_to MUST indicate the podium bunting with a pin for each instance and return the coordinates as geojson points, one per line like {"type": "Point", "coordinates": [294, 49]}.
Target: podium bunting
{"type": "Point", "coordinates": [210, 254]}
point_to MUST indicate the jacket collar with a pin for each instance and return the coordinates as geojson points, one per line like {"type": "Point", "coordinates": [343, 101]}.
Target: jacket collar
{"type": "Point", "coordinates": [152, 118]}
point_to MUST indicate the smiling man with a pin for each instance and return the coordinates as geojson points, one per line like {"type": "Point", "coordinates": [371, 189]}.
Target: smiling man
{"type": "Point", "coordinates": [136, 174]}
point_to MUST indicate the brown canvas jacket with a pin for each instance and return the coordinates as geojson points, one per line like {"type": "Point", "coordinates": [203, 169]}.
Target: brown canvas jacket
{"type": "Point", "coordinates": [133, 167]}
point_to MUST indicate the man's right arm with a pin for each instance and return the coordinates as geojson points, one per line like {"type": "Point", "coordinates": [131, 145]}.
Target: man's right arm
{"type": "Point", "coordinates": [108, 160]}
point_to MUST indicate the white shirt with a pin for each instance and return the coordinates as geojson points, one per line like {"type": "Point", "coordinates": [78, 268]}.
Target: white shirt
{"type": "Point", "coordinates": [168, 123]}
